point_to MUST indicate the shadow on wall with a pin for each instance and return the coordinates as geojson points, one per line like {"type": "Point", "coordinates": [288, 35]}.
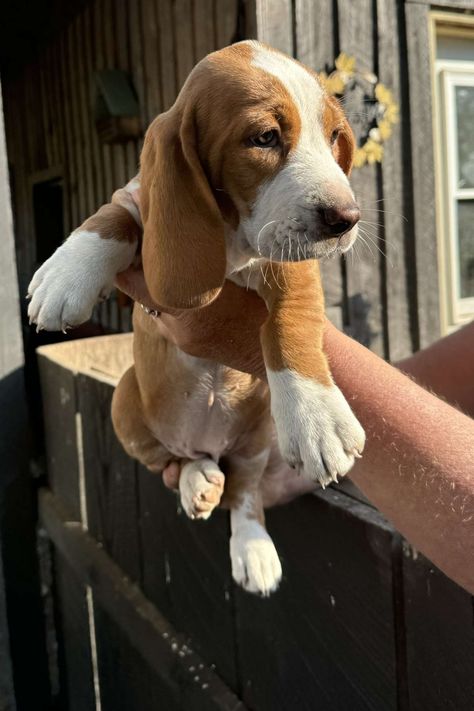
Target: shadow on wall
{"type": "Point", "coordinates": [359, 323]}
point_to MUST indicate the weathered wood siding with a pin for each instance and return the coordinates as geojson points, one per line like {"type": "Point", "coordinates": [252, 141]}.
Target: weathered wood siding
{"type": "Point", "coordinates": [49, 103]}
{"type": "Point", "coordinates": [361, 621]}
{"type": "Point", "coordinates": [388, 289]}
{"type": "Point", "coordinates": [385, 292]}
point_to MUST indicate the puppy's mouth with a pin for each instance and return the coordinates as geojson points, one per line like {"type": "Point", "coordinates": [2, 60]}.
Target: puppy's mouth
{"type": "Point", "coordinates": [297, 245]}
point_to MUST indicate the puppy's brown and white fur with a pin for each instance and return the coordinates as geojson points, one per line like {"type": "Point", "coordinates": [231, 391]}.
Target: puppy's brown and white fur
{"type": "Point", "coordinates": [245, 178]}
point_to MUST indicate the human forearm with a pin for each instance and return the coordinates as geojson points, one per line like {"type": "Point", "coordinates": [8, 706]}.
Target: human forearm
{"type": "Point", "coordinates": [418, 465]}
{"type": "Point", "coordinates": [446, 368]}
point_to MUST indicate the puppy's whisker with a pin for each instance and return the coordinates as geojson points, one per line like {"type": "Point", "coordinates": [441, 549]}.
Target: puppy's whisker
{"type": "Point", "coordinates": [260, 232]}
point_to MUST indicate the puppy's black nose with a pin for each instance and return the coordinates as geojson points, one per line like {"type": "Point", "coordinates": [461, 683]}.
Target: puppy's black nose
{"type": "Point", "coordinates": [339, 219]}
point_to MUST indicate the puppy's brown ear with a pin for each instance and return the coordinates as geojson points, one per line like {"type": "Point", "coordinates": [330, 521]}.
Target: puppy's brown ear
{"type": "Point", "coordinates": [345, 147]}
{"type": "Point", "coordinates": [184, 256]}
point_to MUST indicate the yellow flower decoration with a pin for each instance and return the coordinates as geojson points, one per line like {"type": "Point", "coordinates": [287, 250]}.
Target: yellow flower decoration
{"type": "Point", "coordinates": [332, 84]}
{"type": "Point", "coordinates": [373, 151]}
{"type": "Point", "coordinates": [345, 64]}
{"type": "Point", "coordinates": [335, 84]}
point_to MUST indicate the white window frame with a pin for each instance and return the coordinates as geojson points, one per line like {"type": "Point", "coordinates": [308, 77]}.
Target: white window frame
{"type": "Point", "coordinates": [448, 73]}
{"type": "Point", "coordinates": [453, 75]}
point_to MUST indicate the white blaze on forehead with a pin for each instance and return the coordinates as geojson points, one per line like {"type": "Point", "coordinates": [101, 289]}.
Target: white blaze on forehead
{"type": "Point", "coordinates": [303, 88]}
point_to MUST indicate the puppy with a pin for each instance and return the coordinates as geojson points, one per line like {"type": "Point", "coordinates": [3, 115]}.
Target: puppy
{"type": "Point", "coordinates": [245, 178]}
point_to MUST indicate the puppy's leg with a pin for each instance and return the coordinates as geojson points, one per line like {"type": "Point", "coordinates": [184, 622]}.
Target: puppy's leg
{"type": "Point", "coordinates": [254, 558]}
{"type": "Point", "coordinates": [130, 426]}
{"type": "Point", "coordinates": [318, 433]}
{"type": "Point", "coordinates": [82, 270]}
{"type": "Point", "coordinates": [201, 484]}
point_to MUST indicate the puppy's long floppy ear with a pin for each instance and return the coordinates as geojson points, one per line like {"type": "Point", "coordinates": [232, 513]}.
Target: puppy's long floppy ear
{"type": "Point", "coordinates": [183, 251]}
{"type": "Point", "coordinates": [344, 147]}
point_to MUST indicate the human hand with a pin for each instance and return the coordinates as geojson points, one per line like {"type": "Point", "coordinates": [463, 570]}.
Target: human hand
{"type": "Point", "coordinates": [226, 331]}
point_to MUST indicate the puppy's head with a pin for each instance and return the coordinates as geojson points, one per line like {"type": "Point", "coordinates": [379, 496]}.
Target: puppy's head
{"type": "Point", "coordinates": [254, 143]}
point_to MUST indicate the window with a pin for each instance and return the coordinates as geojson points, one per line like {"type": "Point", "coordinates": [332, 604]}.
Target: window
{"type": "Point", "coordinates": [454, 114]}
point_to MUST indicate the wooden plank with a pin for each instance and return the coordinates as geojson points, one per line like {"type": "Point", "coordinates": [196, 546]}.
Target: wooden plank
{"type": "Point", "coordinates": [424, 195]}
{"type": "Point", "coordinates": [389, 213]}
{"type": "Point", "coordinates": [124, 41]}
{"type": "Point", "coordinates": [168, 51]}
{"type": "Point", "coordinates": [118, 21]}
{"type": "Point", "coordinates": [151, 68]}
{"type": "Point", "coordinates": [96, 150]}
{"type": "Point", "coordinates": [75, 654]}
{"type": "Point", "coordinates": [151, 635]}
{"type": "Point", "coordinates": [363, 266]}
{"type": "Point", "coordinates": [78, 144]}
{"type": "Point", "coordinates": [327, 635]}
{"type": "Point", "coordinates": [83, 92]}
{"type": "Point", "coordinates": [70, 214]}
{"type": "Point", "coordinates": [109, 478]}
{"type": "Point", "coordinates": [104, 49]}
{"type": "Point", "coordinates": [226, 22]}
{"type": "Point", "coordinates": [314, 28]}
{"type": "Point", "coordinates": [98, 63]}
{"type": "Point", "coordinates": [203, 25]}
{"type": "Point", "coordinates": [183, 32]}
{"type": "Point", "coordinates": [275, 24]}
{"type": "Point", "coordinates": [59, 406]}
{"type": "Point", "coordinates": [186, 571]}
{"type": "Point", "coordinates": [137, 64]}
{"type": "Point", "coordinates": [440, 638]}
{"type": "Point", "coordinates": [136, 687]}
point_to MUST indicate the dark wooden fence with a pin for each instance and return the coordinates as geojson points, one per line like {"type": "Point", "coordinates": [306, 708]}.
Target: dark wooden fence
{"type": "Point", "coordinates": [148, 616]}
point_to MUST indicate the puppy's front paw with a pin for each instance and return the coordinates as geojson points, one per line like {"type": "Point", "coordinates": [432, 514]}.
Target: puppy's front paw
{"type": "Point", "coordinates": [318, 433]}
{"type": "Point", "coordinates": [201, 485]}
{"type": "Point", "coordinates": [80, 273]}
{"type": "Point", "coordinates": [255, 563]}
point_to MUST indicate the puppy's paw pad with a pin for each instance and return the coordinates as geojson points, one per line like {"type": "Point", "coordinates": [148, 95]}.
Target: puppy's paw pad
{"type": "Point", "coordinates": [256, 566]}
{"type": "Point", "coordinates": [201, 486]}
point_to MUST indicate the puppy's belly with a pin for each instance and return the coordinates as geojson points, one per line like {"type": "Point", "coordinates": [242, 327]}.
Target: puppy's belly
{"type": "Point", "coordinates": [197, 426]}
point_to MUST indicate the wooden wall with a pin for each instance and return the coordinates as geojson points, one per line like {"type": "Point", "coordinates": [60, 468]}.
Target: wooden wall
{"type": "Point", "coordinates": [387, 290]}
{"type": "Point", "coordinates": [49, 102]}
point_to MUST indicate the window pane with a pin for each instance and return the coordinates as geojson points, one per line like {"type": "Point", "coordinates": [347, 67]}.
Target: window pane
{"type": "Point", "coordinates": [466, 247]}
{"type": "Point", "coordinates": [465, 121]}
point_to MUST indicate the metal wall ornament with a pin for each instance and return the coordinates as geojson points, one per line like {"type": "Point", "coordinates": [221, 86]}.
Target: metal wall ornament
{"type": "Point", "coordinates": [369, 105]}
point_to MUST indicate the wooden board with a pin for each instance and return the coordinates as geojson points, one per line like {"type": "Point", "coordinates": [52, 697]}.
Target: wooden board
{"type": "Point", "coordinates": [422, 159]}
{"type": "Point", "coordinates": [147, 631]}
{"type": "Point", "coordinates": [109, 478]}
{"type": "Point", "coordinates": [439, 629]}
{"type": "Point", "coordinates": [75, 658]}
{"type": "Point", "coordinates": [326, 637]}
{"type": "Point", "coordinates": [186, 572]}
{"type": "Point", "coordinates": [394, 211]}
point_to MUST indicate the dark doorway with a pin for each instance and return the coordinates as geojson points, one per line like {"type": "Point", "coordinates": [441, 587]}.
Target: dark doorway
{"type": "Point", "coordinates": [48, 216]}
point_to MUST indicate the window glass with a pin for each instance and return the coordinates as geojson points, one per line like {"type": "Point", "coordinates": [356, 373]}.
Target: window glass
{"type": "Point", "coordinates": [465, 131]}
{"type": "Point", "coordinates": [466, 247]}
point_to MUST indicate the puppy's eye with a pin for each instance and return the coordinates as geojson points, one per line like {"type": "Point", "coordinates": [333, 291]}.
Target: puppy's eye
{"type": "Point", "coordinates": [269, 139]}
{"type": "Point", "coordinates": [335, 135]}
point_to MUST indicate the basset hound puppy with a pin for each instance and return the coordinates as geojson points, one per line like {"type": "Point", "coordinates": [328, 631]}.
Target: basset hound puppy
{"type": "Point", "coordinates": [244, 178]}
